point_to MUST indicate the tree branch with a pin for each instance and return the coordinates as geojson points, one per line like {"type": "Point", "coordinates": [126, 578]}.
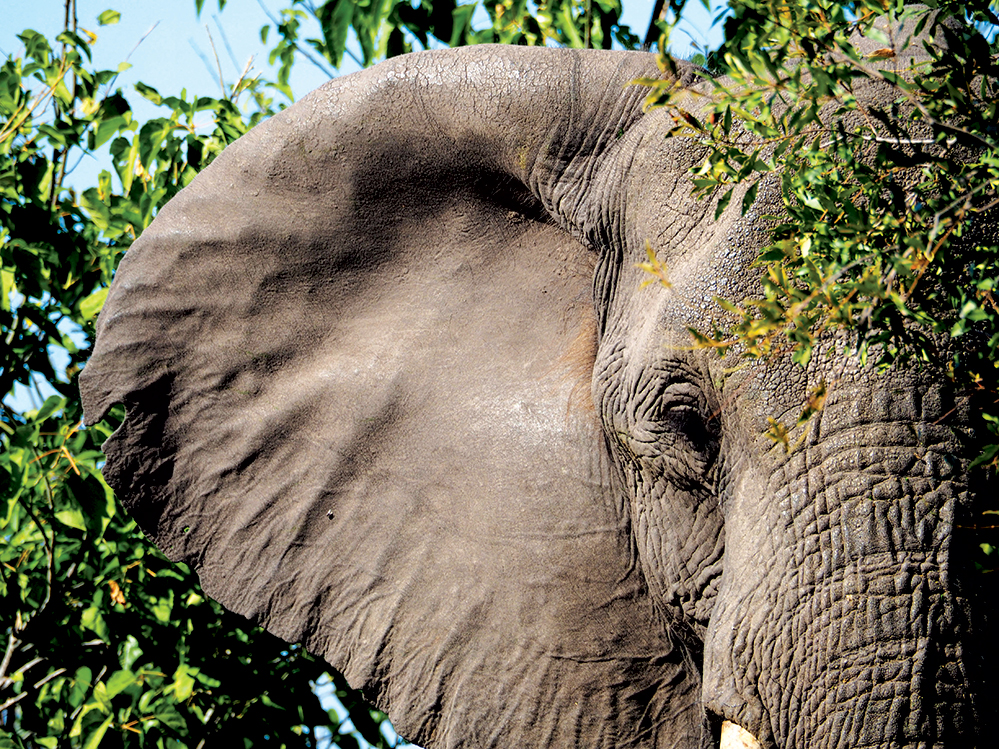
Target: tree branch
{"type": "Point", "coordinates": [652, 35]}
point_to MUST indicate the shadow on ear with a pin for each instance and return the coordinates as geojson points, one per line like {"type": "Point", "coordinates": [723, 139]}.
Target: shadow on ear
{"type": "Point", "coordinates": [347, 357]}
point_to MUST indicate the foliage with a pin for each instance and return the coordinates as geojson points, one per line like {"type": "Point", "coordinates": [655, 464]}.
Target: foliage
{"type": "Point", "coordinates": [886, 212]}
{"type": "Point", "coordinates": [884, 235]}
{"type": "Point", "coordinates": [104, 640]}
{"type": "Point", "coordinates": [385, 28]}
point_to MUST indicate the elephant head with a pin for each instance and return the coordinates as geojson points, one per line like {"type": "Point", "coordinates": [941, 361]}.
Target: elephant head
{"type": "Point", "coordinates": [394, 389]}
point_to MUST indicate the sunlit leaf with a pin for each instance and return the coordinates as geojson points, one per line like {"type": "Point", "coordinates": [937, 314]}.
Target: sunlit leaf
{"type": "Point", "coordinates": [109, 18]}
{"type": "Point", "coordinates": [183, 682]}
{"type": "Point", "coordinates": [95, 738]}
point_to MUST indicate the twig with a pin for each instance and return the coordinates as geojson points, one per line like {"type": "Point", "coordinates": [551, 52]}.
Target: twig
{"type": "Point", "coordinates": [652, 35]}
{"type": "Point", "coordinates": [63, 155]}
{"type": "Point", "coordinates": [37, 685]}
{"type": "Point", "coordinates": [49, 544]}
{"type": "Point", "coordinates": [218, 65]}
{"type": "Point", "coordinates": [13, 700]}
{"type": "Point", "coordinates": [225, 40]}
{"type": "Point", "coordinates": [45, 680]}
{"type": "Point", "coordinates": [12, 643]}
{"type": "Point", "coordinates": [305, 53]}
{"type": "Point", "coordinates": [881, 139]}
{"type": "Point", "coordinates": [110, 83]}
{"type": "Point", "coordinates": [13, 124]}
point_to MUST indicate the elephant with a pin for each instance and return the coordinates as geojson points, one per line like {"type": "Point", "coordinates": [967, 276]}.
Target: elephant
{"type": "Point", "coordinates": [395, 389]}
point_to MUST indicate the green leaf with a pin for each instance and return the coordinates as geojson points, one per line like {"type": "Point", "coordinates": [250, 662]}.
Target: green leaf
{"type": "Point", "coordinates": [106, 129]}
{"type": "Point", "coordinates": [52, 404]}
{"type": "Point", "coordinates": [90, 306]}
{"type": "Point", "coordinates": [95, 738]}
{"type": "Point", "coordinates": [119, 680]}
{"type": "Point", "coordinates": [209, 681]}
{"type": "Point", "coordinates": [80, 687]}
{"type": "Point", "coordinates": [101, 698]}
{"type": "Point", "coordinates": [167, 714]}
{"type": "Point", "coordinates": [750, 197]}
{"type": "Point", "coordinates": [568, 27]}
{"type": "Point", "coordinates": [163, 608]}
{"type": "Point", "coordinates": [6, 287]}
{"type": "Point", "coordinates": [726, 305]}
{"type": "Point", "coordinates": [131, 651]}
{"type": "Point", "coordinates": [100, 214]}
{"type": "Point", "coordinates": [988, 454]}
{"type": "Point", "coordinates": [148, 92]}
{"type": "Point", "coordinates": [93, 620]}
{"type": "Point", "coordinates": [109, 18]}
{"type": "Point", "coordinates": [183, 684]}
{"type": "Point", "coordinates": [72, 518]}
{"type": "Point", "coordinates": [723, 202]}
{"type": "Point", "coordinates": [151, 138]}
{"type": "Point", "coordinates": [461, 23]}
{"type": "Point", "coordinates": [126, 168]}
{"type": "Point", "coordinates": [335, 24]}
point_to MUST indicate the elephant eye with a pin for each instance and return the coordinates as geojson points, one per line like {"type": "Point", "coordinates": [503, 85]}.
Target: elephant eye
{"type": "Point", "coordinates": [680, 430]}
{"type": "Point", "coordinates": [687, 420]}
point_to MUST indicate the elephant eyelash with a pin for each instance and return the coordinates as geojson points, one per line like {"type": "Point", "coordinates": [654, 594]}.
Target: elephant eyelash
{"type": "Point", "coordinates": [670, 395]}
{"type": "Point", "coordinates": [675, 421]}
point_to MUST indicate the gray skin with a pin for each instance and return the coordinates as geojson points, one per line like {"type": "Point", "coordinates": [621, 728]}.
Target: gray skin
{"type": "Point", "coordinates": [394, 391]}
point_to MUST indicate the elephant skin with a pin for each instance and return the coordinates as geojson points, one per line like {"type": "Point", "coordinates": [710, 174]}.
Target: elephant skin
{"type": "Point", "coordinates": [395, 390]}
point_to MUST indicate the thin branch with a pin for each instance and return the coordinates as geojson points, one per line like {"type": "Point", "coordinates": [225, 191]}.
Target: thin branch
{"type": "Point", "coordinates": [913, 99]}
{"type": "Point", "coordinates": [12, 643]}
{"type": "Point", "coordinates": [49, 544]}
{"type": "Point", "coordinates": [61, 156]}
{"type": "Point", "coordinates": [204, 60]}
{"type": "Point", "coordinates": [13, 700]}
{"type": "Point", "coordinates": [14, 124]}
{"type": "Point", "coordinates": [652, 35]}
{"type": "Point", "coordinates": [225, 41]}
{"type": "Point", "coordinates": [305, 53]}
{"type": "Point", "coordinates": [218, 65]}
{"type": "Point", "coordinates": [59, 176]}
{"type": "Point", "coordinates": [111, 83]}
{"type": "Point", "coordinates": [50, 677]}
{"type": "Point", "coordinates": [237, 86]}
{"type": "Point", "coordinates": [898, 141]}
{"type": "Point", "coordinates": [4, 682]}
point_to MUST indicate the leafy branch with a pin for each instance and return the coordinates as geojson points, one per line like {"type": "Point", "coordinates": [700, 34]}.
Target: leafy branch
{"type": "Point", "coordinates": [886, 200]}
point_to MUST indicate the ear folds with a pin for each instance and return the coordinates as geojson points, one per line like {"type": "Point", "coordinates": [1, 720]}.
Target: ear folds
{"type": "Point", "coordinates": [348, 352]}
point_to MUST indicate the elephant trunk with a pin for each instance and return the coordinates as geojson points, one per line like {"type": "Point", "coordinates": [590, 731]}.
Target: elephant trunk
{"type": "Point", "coordinates": [840, 621]}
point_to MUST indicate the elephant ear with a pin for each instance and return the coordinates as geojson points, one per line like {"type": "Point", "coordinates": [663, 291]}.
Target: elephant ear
{"type": "Point", "coordinates": [354, 356]}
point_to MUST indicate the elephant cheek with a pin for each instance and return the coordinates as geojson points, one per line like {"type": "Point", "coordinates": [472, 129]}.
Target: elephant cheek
{"type": "Point", "coordinates": [838, 622]}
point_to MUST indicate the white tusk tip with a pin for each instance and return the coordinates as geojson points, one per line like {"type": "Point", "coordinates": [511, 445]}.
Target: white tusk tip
{"type": "Point", "coordinates": [734, 736]}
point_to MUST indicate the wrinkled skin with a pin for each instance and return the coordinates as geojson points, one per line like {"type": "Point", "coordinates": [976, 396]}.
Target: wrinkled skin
{"type": "Point", "coordinates": [394, 390]}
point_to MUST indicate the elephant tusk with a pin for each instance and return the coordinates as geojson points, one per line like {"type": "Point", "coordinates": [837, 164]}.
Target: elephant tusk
{"type": "Point", "coordinates": [734, 736]}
